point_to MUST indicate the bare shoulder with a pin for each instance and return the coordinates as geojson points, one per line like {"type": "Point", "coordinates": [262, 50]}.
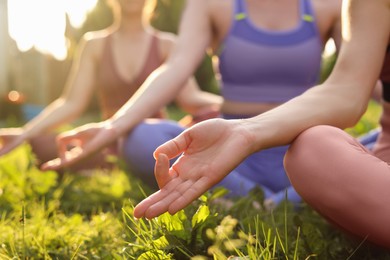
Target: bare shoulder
{"type": "Point", "coordinates": [92, 42]}
{"type": "Point", "coordinates": [165, 38]}
{"type": "Point", "coordinates": [94, 37]}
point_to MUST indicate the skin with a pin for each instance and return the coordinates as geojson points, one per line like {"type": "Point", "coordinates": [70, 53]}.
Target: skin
{"type": "Point", "coordinates": [202, 33]}
{"type": "Point", "coordinates": [131, 41]}
{"type": "Point", "coordinates": [339, 101]}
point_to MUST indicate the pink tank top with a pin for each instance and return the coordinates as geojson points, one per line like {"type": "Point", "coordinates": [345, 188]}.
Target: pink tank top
{"type": "Point", "coordinates": [114, 91]}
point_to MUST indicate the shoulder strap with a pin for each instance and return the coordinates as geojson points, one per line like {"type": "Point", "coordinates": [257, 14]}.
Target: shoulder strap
{"type": "Point", "coordinates": [239, 10]}
{"type": "Point", "coordinates": [307, 11]}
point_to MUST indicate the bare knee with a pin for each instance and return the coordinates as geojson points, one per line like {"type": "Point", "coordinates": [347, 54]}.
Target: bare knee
{"type": "Point", "coordinates": [305, 159]}
{"type": "Point", "coordinates": [306, 148]}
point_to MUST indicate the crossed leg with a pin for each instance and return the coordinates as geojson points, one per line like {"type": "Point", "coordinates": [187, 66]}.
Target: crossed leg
{"type": "Point", "coordinates": [343, 181]}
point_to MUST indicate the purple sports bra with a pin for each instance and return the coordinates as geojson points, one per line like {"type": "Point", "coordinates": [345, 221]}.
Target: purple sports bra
{"type": "Point", "coordinates": [259, 65]}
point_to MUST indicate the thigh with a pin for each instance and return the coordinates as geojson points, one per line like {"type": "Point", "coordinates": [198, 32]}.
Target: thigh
{"type": "Point", "coordinates": [148, 135]}
{"type": "Point", "coordinates": [343, 181]}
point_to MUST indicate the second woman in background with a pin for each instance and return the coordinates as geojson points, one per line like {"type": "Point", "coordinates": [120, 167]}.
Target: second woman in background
{"type": "Point", "coordinates": [113, 62]}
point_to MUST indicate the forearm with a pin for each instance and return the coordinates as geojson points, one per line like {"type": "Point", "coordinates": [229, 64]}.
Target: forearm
{"type": "Point", "coordinates": [318, 106]}
{"type": "Point", "coordinates": [57, 113]}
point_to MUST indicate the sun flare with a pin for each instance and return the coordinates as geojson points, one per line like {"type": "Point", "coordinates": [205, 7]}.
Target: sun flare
{"type": "Point", "coordinates": [41, 23]}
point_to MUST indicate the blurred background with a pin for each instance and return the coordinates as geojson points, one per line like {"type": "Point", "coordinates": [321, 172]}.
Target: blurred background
{"type": "Point", "coordinates": [37, 41]}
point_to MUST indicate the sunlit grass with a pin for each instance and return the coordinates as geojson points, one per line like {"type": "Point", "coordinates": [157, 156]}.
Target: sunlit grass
{"type": "Point", "coordinates": [48, 216]}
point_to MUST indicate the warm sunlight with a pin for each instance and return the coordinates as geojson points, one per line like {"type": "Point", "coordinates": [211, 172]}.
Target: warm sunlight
{"type": "Point", "coordinates": [41, 23]}
{"type": "Point", "coordinates": [330, 48]}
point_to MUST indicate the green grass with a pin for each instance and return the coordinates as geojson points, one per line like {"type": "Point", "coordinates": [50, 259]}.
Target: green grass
{"type": "Point", "coordinates": [47, 216]}
{"type": "Point", "coordinates": [369, 120]}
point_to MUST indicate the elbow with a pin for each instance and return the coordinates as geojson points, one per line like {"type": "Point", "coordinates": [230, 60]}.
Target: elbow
{"type": "Point", "coordinates": [199, 108]}
{"type": "Point", "coordinates": [353, 113]}
{"type": "Point", "coordinates": [186, 106]}
{"type": "Point", "coordinates": [345, 104]}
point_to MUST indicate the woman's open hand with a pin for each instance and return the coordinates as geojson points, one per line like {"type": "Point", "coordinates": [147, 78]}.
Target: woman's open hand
{"type": "Point", "coordinates": [209, 151]}
{"type": "Point", "coordinates": [80, 143]}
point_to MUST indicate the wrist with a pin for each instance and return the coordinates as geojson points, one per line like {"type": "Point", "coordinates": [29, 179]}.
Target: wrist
{"type": "Point", "coordinates": [258, 133]}
{"type": "Point", "coordinates": [25, 133]}
{"type": "Point", "coordinates": [246, 129]}
{"type": "Point", "coordinates": [117, 126]}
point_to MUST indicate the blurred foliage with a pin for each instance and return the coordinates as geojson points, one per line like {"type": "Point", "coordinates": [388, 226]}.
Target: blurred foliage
{"type": "Point", "coordinates": [11, 112]}
{"type": "Point", "coordinates": [369, 120]}
{"type": "Point", "coordinates": [327, 66]}
{"type": "Point", "coordinates": [167, 14]}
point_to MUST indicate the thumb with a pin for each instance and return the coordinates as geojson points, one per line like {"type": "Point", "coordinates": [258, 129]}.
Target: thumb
{"type": "Point", "coordinates": [173, 147]}
{"type": "Point", "coordinates": [162, 172]}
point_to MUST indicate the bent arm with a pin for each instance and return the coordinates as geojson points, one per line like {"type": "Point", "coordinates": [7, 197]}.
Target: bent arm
{"type": "Point", "coordinates": [74, 99]}
{"type": "Point", "coordinates": [192, 99]}
{"type": "Point", "coordinates": [342, 98]}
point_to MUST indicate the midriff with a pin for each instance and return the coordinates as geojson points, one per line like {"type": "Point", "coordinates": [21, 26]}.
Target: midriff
{"type": "Point", "coordinates": [244, 108]}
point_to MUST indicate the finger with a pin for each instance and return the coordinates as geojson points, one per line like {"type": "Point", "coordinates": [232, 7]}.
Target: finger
{"type": "Point", "coordinates": [189, 195]}
{"type": "Point", "coordinates": [64, 141]}
{"type": "Point", "coordinates": [158, 202]}
{"type": "Point", "coordinates": [54, 164]}
{"type": "Point", "coordinates": [173, 147]}
{"type": "Point", "coordinates": [75, 155]}
{"type": "Point", "coordinates": [141, 208]}
{"type": "Point", "coordinates": [178, 193]}
{"type": "Point", "coordinates": [162, 172]}
{"type": "Point", "coordinates": [162, 205]}
{"type": "Point", "coordinates": [64, 160]}
{"type": "Point", "coordinates": [71, 145]}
